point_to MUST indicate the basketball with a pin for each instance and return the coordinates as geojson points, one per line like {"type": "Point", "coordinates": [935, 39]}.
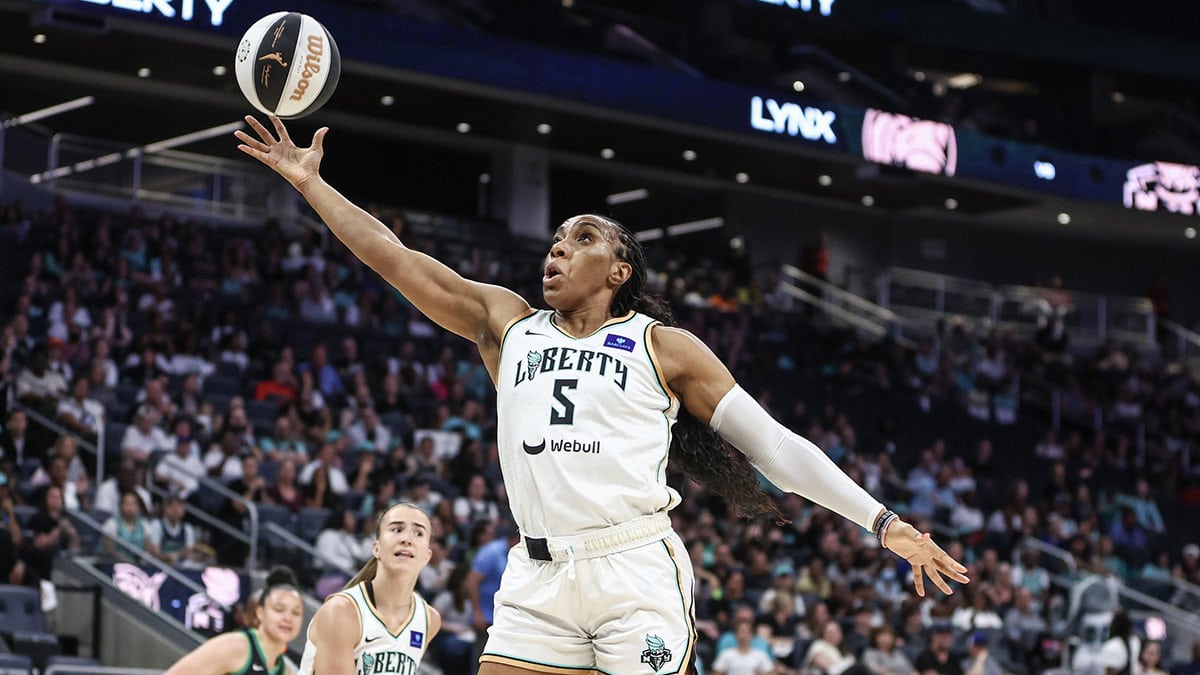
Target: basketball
{"type": "Point", "coordinates": [287, 64]}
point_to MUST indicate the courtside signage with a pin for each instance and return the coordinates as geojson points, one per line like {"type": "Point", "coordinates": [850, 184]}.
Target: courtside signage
{"type": "Point", "coordinates": [212, 11]}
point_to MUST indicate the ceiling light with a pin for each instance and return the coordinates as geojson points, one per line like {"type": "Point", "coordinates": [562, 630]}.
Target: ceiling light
{"type": "Point", "coordinates": [843, 76]}
{"type": "Point", "coordinates": [1118, 97]}
{"type": "Point", "coordinates": [607, 153]}
{"type": "Point", "coordinates": [824, 180]}
{"type": "Point", "coordinates": [742, 177]}
{"type": "Point", "coordinates": [544, 128]}
{"type": "Point", "coordinates": [963, 81]}
{"type": "Point", "coordinates": [1064, 218]}
{"type": "Point", "coordinates": [626, 196]}
{"type": "Point", "coordinates": [919, 75]}
{"type": "Point", "coordinates": [689, 155]}
{"type": "Point", "coordinates": [1190, 233]}
{"type": "Point", "coordinates": [568, 3]}
{"type": "Point", "coordinates": [485, 178]}
{"type": "Point", "coordinates": [219, 71]}
{"type": "Point", "coordinates": [39, 38]}
{"type": "Point", "coordinates": [868, 200]}
{"type": "Point", "coordinates": [387, 99]}
{"type": "Point", "coordinates": [143, 72]}
{"type": "Point", "coordinates": [798, 85]}
{"type": "Point", "coordinates": [463, 128]}
{"type": "Point", "coordinates": [951, 203]}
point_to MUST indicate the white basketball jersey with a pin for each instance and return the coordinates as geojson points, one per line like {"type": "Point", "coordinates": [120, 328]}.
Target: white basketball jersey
{"type": "Point", "coordinates": [378, 650]}
{"type": "Point", "coordinates": [584, 425]}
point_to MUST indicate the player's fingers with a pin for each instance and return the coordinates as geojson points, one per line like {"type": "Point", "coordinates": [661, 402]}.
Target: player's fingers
{"type": "Point", "coordinates": [253, 143]}
{"type": "Point", "coordinates": [256, 154]}
{"type": "Point", "coordinates": [938, 581]}
{"type": "Point", "coordinates": [279, 128]}
{"type": "Point", "coordinates": [919, 580]}
{"type": "Point", "coordinates": [318, 142]}
{"type": "Point", "coordinates": [260, 130]}
{"type": "Point", "coordinates": [950, 567]}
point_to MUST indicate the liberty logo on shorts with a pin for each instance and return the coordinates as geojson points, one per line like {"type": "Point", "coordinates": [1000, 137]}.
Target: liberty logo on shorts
{"type": "Point", "coordinates": [533, 360]}
{"type": "Point", "coordinates": [656, 653]}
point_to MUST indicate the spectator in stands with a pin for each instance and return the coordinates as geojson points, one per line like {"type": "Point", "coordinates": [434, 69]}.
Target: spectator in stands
{"type": "Point", "coordinates": [1144, 507]}
{"type": "Point", "coordinates": [1150, 659]}
{"type": "Point", "coordinates": [455, 646]}
{"type": "Point", "coordinates": [38, 386]}
{"type": "Point", "coordinates": [980, 660]}
{"type": "Point", "coordinates": [936, 658]}
{"type": "Point", "coordinates": [1128, 537]}
{"type": "Point", "coordinates": [13, 570]}
{"type": "Point", "coordinates": [475, 505]}
{"type": "Point", "coordinates": [174, 538]}
{"type": "Point", "coordinates": [128, 478]}
{"type": "Point", "coordinates": [1188, 567]}
{"type": "Point", "coordinates": [79, 412]}
{"type": "Point", "coordinates": [144, 437]}
{"type": "Point", "coordinates": [368, 430]}
{"type": "Point", "coordinates": [325, 375]}
{"type": "Point", "coordinates": [323, 479]}
{"type": "Point", "coordinates": [341, 549]}
{"type": "Point", "coordinates": [182, 469]}
{"type": "Point", "coordinates": [486, 569]}
{"type": "Point", "coordinates": [882, 657]}
{"type": "Point", "coordinates": [741, 658]}
{"type": "Point", "coordinates": [281, 387]}
{"type": "Point", "coordinates": [251, 487]}
{"type": "Point", "coordinates": [284, 491]}
{"type": "Point", "coordinates": [52, 532]}
{"type": "Point", "coordinates": [223, 460]}
{"type": "Point", "coordinates": [130, 525]}
{"type": "Point", "coordinates": [286, 440]}
{"type": "Point", "coordinates": [15, 446]}
{"type": "Point", "coordinates": [827, 655]}
{"type": "Point", "coordinates": [1023, 624]}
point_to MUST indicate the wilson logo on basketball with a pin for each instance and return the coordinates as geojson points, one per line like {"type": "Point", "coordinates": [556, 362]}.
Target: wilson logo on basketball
{"type": "Point", "coordinates": [312, 65]}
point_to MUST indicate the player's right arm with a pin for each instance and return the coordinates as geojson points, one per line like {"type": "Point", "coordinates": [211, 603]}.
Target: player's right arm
{"type": "Point", "coordinates": [476, 311]}
{"type": "Point", "coordinates": [334, 632]}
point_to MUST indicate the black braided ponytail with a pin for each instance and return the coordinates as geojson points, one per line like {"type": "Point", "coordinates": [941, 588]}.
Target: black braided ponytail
{"type": "Point", "coordinates": [696, 449]}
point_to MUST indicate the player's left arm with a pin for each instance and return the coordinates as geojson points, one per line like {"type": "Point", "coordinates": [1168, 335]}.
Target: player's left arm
{"type": "Point", "coordinates": [793, 463]}
{"type": "Point", "coordinates": [435, 621]}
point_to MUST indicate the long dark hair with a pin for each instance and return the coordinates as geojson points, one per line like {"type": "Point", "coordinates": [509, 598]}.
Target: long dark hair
{"type": "Point", "coordinates": [696, 449]}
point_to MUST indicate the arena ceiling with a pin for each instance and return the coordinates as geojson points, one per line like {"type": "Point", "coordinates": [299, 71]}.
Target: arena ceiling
{"type": "Point", "coordinates": [411, 152]}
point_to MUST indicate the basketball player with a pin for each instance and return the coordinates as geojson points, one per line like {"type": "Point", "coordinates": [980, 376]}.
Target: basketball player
{"type": "Point", "coordinates": [593, 395]}
{"type": "Point", "coordinates": [253, 651]}
{"type": "Point", "coordinates": [378, 623]}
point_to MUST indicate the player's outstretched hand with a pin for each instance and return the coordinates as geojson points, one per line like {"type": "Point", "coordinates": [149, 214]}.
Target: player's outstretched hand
{"type": "Point", "coordinates": [297, 165]}
{"type": "Point", "coordinates": [925, 556]}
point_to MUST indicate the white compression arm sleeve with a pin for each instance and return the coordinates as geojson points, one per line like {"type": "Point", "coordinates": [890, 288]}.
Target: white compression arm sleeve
{"type": "Point", "coordinates": [791, 462]}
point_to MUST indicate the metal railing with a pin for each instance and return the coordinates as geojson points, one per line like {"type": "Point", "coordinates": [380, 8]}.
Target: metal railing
{"type": "Point", "coordinates": [96, 448]}
{"type": "Point", "coordinates": [1052, 551]}
{"type": "Point", "coordinates": [276, 530]}
{"type": "Point", "coordinates": [84, 669]}
{"type": "Point", "coordinates": [1089, 318]}
{"type": "Point", "coordinates": [139, 554]}
{"type": "Point", "coordinates": [846, 307]}
{"type": "Point", "coordinates": [249, 538]}
{"type": "Point", "coordinates": [1185, 342]}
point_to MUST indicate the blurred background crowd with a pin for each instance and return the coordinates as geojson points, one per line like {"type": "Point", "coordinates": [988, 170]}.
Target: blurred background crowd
{"type": "Point", "coordinates": [272, 363]}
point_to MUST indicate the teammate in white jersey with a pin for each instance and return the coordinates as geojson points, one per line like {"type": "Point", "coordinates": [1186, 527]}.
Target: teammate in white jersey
{"type": "Point", "coordinates": [378, 623]}
{"type": "Point", "coordinates": [599, 581]}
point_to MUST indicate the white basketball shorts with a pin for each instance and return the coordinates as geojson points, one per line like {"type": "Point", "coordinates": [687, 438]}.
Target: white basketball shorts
{"type": "Point", "coordinates": [623, 613]}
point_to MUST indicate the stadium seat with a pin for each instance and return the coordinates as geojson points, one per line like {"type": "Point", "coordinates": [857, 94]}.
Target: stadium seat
{"type": "Point", "coordinates": [37, 645]}
{"type": "Point", "coordinates": [310, 521]}
{"type": "Point", "coordinates": [15, 664]}
{"type": "Point", "coordinates": [21, 609]}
